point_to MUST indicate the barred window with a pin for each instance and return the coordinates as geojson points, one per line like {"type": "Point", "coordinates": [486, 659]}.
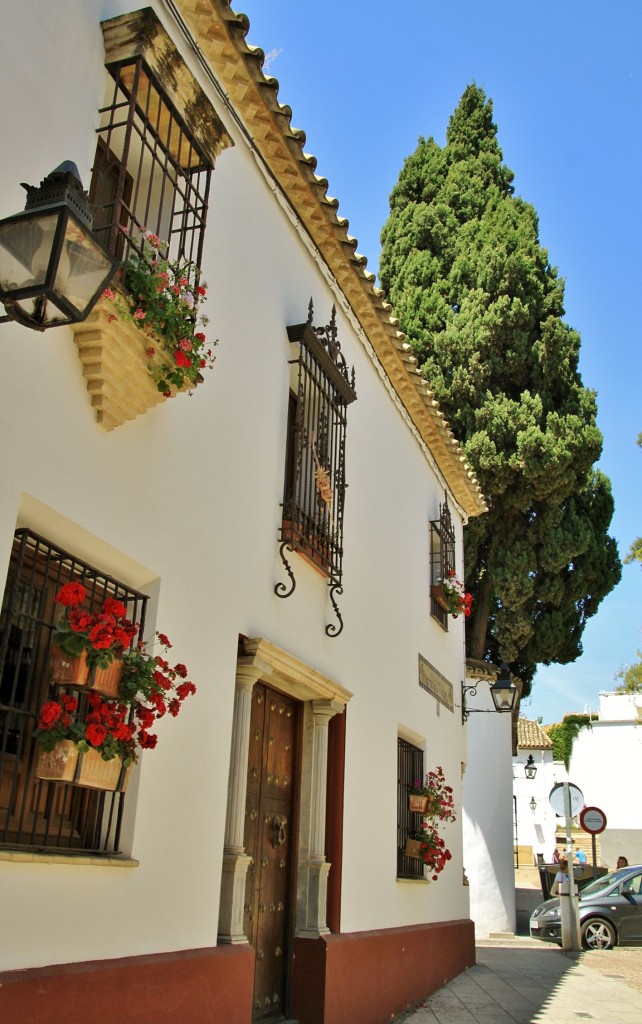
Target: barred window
{"type": "Point", "coordinates": [157, 142]}
{"type": "Point", "coordinates": [410, 766]}
{"type": "Point", "coordinates": [35, 814]}
{"type": "Point", "coordinates": [314, 492]}
{"type": "Point", "coordinates": [442, 561]}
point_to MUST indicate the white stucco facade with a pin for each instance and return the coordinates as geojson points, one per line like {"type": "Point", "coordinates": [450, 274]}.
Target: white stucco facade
{"type": "Point", "coordinates": [184, 504]}
{"type": "Point", "coordinates": [488, 825]}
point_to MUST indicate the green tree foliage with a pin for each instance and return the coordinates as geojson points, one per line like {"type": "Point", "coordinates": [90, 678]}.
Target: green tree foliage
{"type": "Point", "coordinates": [631, 677]}
{"type": "Point", "coordinates": [482, 307]}
{"type": "Point", "coordinates": [563, 735]}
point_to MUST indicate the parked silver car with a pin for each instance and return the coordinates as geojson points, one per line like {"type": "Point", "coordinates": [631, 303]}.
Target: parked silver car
{"type": "Point", "coordinates": [610, 912]}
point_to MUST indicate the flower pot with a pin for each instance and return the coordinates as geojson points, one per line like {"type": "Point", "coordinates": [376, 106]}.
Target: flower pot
{"type": "Point", "coordinates": [74, 671]}
{"type": "Point", "coordinates": [65, 764]}
{"type": "Point", "coordinates": [417, 803]}
{"type": "Point", "coordinates": [67, 670]}
{"type": "Point", "coordinates": [413, 849]}
{"type": "Point", "coordinates": [437, 593]}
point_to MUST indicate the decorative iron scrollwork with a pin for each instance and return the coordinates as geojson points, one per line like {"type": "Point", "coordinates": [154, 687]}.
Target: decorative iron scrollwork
{"type": "Point", "coordinates": [331, 629]}
{"type": "Point", "coordinates": [281, 589]}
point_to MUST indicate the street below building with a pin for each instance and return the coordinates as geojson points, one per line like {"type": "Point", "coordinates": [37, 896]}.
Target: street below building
{"type": "Point", "coordinates": [528, 982]}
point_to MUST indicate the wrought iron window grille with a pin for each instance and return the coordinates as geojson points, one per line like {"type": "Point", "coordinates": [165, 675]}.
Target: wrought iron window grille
{"type": "Point", "coordinates": [442, 560]}
{"type": "Point", "coordinates": [322, 388]}
{"type": "Point", "coordinates": [410, 766]}
{"type": "Point", "coordinates": [150, 174]}
{"type": "Point", "coordinates": [34, 814]}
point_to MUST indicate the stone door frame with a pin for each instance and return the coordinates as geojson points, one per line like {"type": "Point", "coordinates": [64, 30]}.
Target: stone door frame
{"type": "Point", "coordinates": [322, 698]}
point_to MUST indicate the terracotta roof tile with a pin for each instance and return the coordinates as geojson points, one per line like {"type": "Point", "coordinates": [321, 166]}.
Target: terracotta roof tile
{"type": "Point", "coordinates": [220, 33]}
{"type": "Point", "coordinates": [531, 734]}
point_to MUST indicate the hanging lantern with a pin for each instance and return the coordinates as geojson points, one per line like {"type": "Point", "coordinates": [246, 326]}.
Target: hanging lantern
{"type": "Point", "coordinates": [52, 269]}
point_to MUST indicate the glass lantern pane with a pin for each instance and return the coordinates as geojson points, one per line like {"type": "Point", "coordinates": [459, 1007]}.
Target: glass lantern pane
{"type": "Point", "coordinates": [82, 269]}
{"type": "Point", "coordinates": [42, 310]}
{"type": "Point", "coordinates": [25, 249]}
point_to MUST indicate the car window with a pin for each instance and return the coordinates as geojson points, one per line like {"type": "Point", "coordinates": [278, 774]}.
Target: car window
{"type": "Point", "coordinates": [601, 885]}
{"type": "Point", "coordinates": [633, 885]}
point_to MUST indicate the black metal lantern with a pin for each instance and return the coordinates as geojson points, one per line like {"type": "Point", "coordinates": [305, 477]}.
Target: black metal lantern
{"type": "Point", "coordinates": [52, 269]}
{"type": "Point", "coordinates": [503, 691]}
{"type": "Point", "coordinates": [530, 768]}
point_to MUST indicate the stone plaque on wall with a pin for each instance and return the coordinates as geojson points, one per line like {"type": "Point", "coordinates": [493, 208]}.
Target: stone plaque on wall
{"type": "Point", "coordinates": [436, 684]}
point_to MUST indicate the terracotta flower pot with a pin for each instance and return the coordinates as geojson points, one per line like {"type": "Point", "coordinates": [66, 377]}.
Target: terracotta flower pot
{"type": "Point", "coordinates": [417, 803]}
{"type": "Point", "coordinates": [65, 764]}
{"type": "Point", "coordinates": [413, 849]}
{"type": "Point", "coordinates": [74, 671]}
{"type": "Point", "coordinates": [67, 670]}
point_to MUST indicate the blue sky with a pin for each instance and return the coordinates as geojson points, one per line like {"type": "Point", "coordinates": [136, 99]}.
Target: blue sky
{"type": "Point", "coordinates": [366, 79]}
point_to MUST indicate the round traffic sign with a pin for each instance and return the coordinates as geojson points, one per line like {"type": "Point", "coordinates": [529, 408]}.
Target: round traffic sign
{"type": "Point", "coordinates": [593, 820]}
{"type": "Point", "coordinates": [557, 799]}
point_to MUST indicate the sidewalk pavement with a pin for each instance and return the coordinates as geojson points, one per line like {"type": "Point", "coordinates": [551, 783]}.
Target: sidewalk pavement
{"type": "Point", "coordinates": [530, 983]}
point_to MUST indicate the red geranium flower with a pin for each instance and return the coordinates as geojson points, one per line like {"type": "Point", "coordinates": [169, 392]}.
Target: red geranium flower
{"type": "Point", "coordinates": [96, 734]}
{"type": "Point", "coordinates": [70, 595]}
{"type": "Point", "coordinates": [50, 712]}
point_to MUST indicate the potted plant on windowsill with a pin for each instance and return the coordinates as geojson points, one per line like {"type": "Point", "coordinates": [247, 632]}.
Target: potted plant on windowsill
{"type": "Point", "coordinates": [87, 646]}
{"type": "Point", "coordinates": [95, 750]}
{"type": "Point", "coordinates": [451, 594]}
{"type": "Point", "coordinates": [143, 342]}
{"type": "Point", "coordinates": [93, 743]}
{"type": "Point", "coordinates": [417, 797]}
{"type": "Point", "coordinates": [432, 849]}
{"type": "Point", "coordinates": [425, 842]}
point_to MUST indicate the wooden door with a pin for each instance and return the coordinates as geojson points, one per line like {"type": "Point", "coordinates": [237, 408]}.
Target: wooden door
{"type": "Point", "coordinates": [270, 839]}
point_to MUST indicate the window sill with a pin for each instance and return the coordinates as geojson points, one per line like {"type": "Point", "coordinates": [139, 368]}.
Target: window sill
{"type": "Point", "coordinates": [305, 548]}
{"type": "Point", "coordinates": [115, 366]}
{"type": "Point", "coordinates": [83, 859]}
{"type": "Point", "coordinates": [413, 881]}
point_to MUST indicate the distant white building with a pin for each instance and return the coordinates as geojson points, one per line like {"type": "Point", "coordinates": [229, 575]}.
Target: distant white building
{"type": "Point", "coordinates": [534, 821]}
{"type": "Point", "coordinates": [606, 759]}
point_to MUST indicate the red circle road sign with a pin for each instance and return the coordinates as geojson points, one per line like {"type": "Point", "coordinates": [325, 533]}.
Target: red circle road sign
{"type": "Point", "coordinates": [592, 820]}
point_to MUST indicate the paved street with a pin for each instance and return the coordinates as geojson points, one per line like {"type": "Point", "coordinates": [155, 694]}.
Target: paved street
{"type": "Point", "coordinates": [518, 981]}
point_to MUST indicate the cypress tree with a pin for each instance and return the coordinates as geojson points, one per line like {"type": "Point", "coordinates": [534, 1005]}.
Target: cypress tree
{"type": "Point", "coordinates": [483, 308]}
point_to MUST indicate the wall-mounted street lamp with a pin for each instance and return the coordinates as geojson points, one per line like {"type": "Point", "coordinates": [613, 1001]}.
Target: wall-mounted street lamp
{"type": "Point", "coordinates": [503, 691]}
{"type": "Point", "coordinates": [530, 768]}
{"type": "Point", "coordinates": [533, 804]}
{"type": "Point", "coordinates": [52, 269]}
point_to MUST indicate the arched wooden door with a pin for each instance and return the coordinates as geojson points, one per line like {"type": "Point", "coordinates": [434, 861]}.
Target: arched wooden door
{"type": "Point", "coordinates": [270, 839]}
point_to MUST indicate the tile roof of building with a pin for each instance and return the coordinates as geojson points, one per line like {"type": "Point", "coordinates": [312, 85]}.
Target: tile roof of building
{"type": "Point", "coordinates": [220, 34]}
{"type": "Point", "coordinates": [531, 734]}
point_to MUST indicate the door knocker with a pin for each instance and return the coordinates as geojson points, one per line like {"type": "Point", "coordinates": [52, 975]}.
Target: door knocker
{"type": "Point", "coordinates": [278, 830]}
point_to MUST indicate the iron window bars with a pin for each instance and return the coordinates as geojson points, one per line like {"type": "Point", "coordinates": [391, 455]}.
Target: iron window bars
{"type": "Point", "coordinates": [38, 815]}
{"type": "Point", "coordinates": [442, 560]}
{"type": "Point", "coordinates": [410, 766]}
{"type": "Point", "coordinates": [150, 174]}
{"type": "Point", "coordinates": [314, 491]}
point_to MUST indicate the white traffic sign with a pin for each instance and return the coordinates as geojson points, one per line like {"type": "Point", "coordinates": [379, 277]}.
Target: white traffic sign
{"type": "Point", "coordinates": [557, 799]}
{"type": "Point", "coordinates": [593, 820]}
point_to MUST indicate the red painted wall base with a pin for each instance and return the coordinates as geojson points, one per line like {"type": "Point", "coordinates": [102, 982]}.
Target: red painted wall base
{"type": "Point", "coordinates": [201, 986]}
{"type": "Point", "coordinates": [365, 977]}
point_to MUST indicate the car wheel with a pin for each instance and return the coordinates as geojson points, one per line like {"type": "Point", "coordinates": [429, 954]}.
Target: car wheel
{"type": "Point", "coordinates": [598, 934]}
